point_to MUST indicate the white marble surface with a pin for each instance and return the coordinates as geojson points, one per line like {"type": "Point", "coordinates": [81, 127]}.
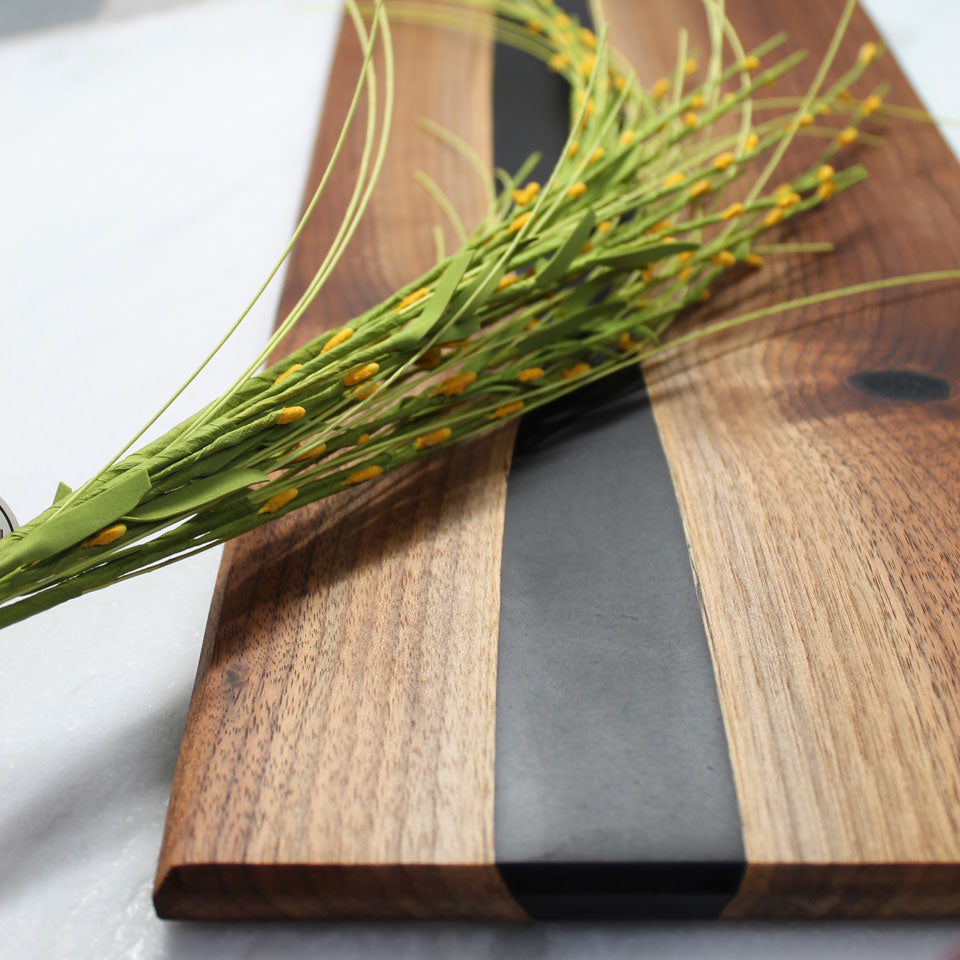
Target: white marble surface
{"type": "Point", "coordinates": [151, 162]}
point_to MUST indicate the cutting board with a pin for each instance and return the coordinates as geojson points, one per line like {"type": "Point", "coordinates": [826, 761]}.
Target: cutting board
{"type": "Point", "coordinates": [695, 653]}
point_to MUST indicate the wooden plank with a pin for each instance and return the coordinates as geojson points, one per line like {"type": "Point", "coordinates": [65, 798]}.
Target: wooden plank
{"type": "Point", "coordinates": [823, 520]}
{"type": "Point", "coordinates": [338, 756]}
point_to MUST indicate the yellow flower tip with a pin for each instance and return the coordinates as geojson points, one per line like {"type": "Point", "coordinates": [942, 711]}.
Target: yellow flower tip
{"type": "Point", "coordinates": [627, 137]}
{"type": "Point", "coordinates": [871, 104]}
{"type": "Point", "coordinates": [724, 258]}
{"type": "Point", "coordinates": [362, 439]}
{"type": "Point", "coordinates": [341, 336]}
{"type": "Point", "coordinates": [684, 274]}
{"type": "Point", "coordinates": [823, 109]}
{"type": "Point", "coordinates": [699, 188]}
{"type": "Point", "coordinates": [360, 476]}
{"type": "Point", "coordinates": [685, 256]}
{"type": "Point", "coordinates": [825, 173]}
{"type": "Point", "coordinates": [696, 102]}
{"type": "Point", "coordinates": [586, 65]}
{"type": "Point", "coordinates": [605, 226]}
{"type": "Point", "coordinates": [532, 325]}
{"type": "Point", "coordinates": [561, 20]}
{"type": "Point", "coordinates": [619, 83]}
{"type": "Point", "coordinates": [430, 358]}
{"type": "Point", "coordinates": [278, 501]}
{"type": "Point", "coordinates": [359, 374]}
{"type": "Point", "coordinates": [312, 452]}
{"type": "Point", "coordinates": [847, 136]}
{"type": "Point", "coordinates": [411, 298]}
{"type": "Point", "coordinates": [586, 248]}
{"type": "Point", "coordinates": [751, 62]}
{"type": "Point", "coordinates": [289, 414]}
{"type": "Point", "coordinates": [625, 343]}
{"type": "Point", "coordinates": [846, 96]}
{"type": "Point", "coordinates": [660, 88]}
{"type": "Point", "coordinates": [773, 217]}
{"type": "Point", "coordinates": [734, 210]}
{"type": "Point", "coordinates": [106, 536]}
{"type": "Point", "coordinates": [433, 438]}
{"type": "Point", "coordinates": [455, 385]}
{"type": "Point", "coordinates": [530, 374]}
{"type": "Point", "coordinates": [867, 52]}
{"type": "Point", "coordinates": [805, 120]}
{"type": "Point", "coordinates": [659, 227]}
{"type": "Point", "coordinates": [690, 119]}
{"type": "Point", "coordinates": [588, 38]}
{"type": "Point", "coordinates": [690, 66]}
{"type": "Point", "coordinates": [596, 155]}
{"type": "Point", "coordinates": [788, 199]}
{"type": "Point", "coordinates": [507, 410]}
{"type": "Point", "coordinates": [729, 97]}
{"type": "Point", "coordinates": [753, 260]}
{"type": "Point", "coordinates": [826, 190]}
{"type": "Point", "coordinates": [507, 280]}
{"type": "Point", "coordinates": [674, 179]}
{"type": "Point", "coordinates": [576, 190]}
{"type": "Point", "coordinates": [287, 373]}
{"type": "Point", "coordinates": [647, 274]}
{"type": "Point", "coordinates": [723, 160]}
{"type": "Point", "coordinates": [365, 390]}
{"type": "Point", "coordinates": [524, 195]}
{"type": "Point", "coordinates": [577, 370]}
{"type": "Point", "coordinates": [519, 223]}
{"type": "Point", "coordinates": [535, 26]}
{"type": "Point", "coordinates": [704, 294]}
{"type": "Point", "coordinates": [558, 62]}
{"type": "Point", "coordinates": [752, 141]}
{"type": "Point", "coordinates": [573, 148]}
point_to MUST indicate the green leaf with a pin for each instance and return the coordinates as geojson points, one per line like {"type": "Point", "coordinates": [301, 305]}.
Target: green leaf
{"type": "Point", "coordinates": [62, 491]}
{"type": "Point", "coordinates": [626, 258]}
{"type": "Point", "coordinates": [562, 259]}
{"type": "Point", "coordinates": [419, 327]}
{"type": "Point", "coordinates": [194, 495]}
{"type": "Point", "coordinates": [469, 323]}
{"type": "Point", "coordinates": [75, 522]}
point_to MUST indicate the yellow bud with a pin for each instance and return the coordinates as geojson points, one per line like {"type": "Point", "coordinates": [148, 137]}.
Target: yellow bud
{"type": "Point", "coordinates": [430, 358]}
{"type": "Point", "coordinates": [573, 148]}
{"type": "Point", "coordinates": [675, 178]}
{"type": "Point", "coordinates": [699, 188]}
{"type": "Point", "coordinates": [359, 476]}
{"type": "Point", "coordinates": [278, 501]}
{"type": "Point", "coordinates": [660, 88]}
{"type": "Point", "coordinates": [805, 119]}
{"type": "Point", "coordinates": [506, 410]}
{"type": "Point", "coordinates": [723, 258]}
{"type": "Point", "coordinates": [523, 196]}
{"type": "Point", "coordinates": [586, 65]}
{"type": "Point", "coordinates": [690, 119]}
{"type": "Point", "coordinates": [753, 260]}
{"type": "Point", "coordinates": [773, 217]}
{"type": "Point", "coordinates": [576, 190]}
{"type": "Point", "coordinates": [530, 374]}
{"type": "Point", "coordinates": [751, 62]}
{"type": "Point", "coordinates": [341, 336]}
{"type": "Point", "coordinates": [359, 374]}
{"type": "Point", "coordinates": [723, 160]}
{"type": "Point", "coordinates": [577, 370]}
{"type": "Point", "coordinates": [289, 414]}
{"type": "Point", "coordinates": [685, 274]}
{"type": "Point", "coordinates": [625, 342]}
{"type": "Point", "coordinates": [787, 200]}
{"type": "Point", "coordinates": [605, 226]}
{"type": "Point", "coordinates": [587, 38]}
{"type": "Point", "coordinates": [619, 83]}
{"type": "Point", "coordinates": [690, 66]}
{"type": "Point", "coordinates": [867, 52]}
{"type": "Point", "coordinates": [558, 62]}
{"type": "Point", "coordinates": [823, 109]}
{"type": "Point", "coordinates": [627, 137]}
{"type": "Point", "coordinates": [734, 210]}
{"type": "Point", "coordinates": [826, 190]}
{"type": "Point", "coordinates": [535, 26]}
{"type": "Point", "coordinates": [312, 452]}
{"type": "Point", "coordinates": [597, 154]}
{"type": "Point", "coordinates": [507, 280]}
{"type": "Point", "coordinates": [825, 173]}
{"type": "Point", "coordinates": [752, 141]}
{"type": "Point", "coordinates": [871, 104]}
{"type": "Point", "coordinates": [288, 372]}
{"type": "Point", "coordinates": [696, 102]}
{"type": "Point", "coordinates": [362, 439]}
{"type": "Point", "coordinates": [518, 223]}
{"type": "Point", "coordinates": [411, 298]}
{"type": "Point", "coordinates": [685, 256]}
{"type": "Point", "coordinates": [847, 136]}
{"type": "Point", "coordinates": [561, 20]}
{"type": "Point", "coordinates": [455, 385]}
{"type": "Point", "coordinates": [433, 438]}
{"type": "Point", "coordinates": [106, 536]}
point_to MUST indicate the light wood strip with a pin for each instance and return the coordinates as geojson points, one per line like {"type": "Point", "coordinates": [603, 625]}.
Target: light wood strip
{"type": "Point", "coordinates": [824, 523]}
{"type": "Point", "coordinates": [338, 755]}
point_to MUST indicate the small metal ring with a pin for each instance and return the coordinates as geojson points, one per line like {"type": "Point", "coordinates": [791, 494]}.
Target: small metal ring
{"type": "Point", "coordinates": [8, 521]}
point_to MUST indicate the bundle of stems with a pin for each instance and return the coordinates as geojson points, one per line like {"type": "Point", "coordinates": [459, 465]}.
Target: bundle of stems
{"type": "Point", "coordinates": [562, 283]}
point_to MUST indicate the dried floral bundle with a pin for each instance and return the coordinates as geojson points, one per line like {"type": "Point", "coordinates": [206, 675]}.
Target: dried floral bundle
{"type": "Point", "coordinates": [562, 283]}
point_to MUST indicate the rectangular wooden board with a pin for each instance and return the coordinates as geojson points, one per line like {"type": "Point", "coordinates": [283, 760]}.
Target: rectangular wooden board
{"type": "Point", "coordinates": [457, 695]}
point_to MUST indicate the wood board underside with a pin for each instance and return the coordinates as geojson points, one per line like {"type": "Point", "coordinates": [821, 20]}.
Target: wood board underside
{"type": "Point", "coordinates": [832, 635]}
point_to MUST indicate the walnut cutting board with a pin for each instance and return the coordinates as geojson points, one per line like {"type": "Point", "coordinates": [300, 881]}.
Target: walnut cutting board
{"type": "Point", "coordinates": [697, 653]}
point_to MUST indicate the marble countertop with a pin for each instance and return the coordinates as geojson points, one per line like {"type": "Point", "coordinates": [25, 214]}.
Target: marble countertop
{"type": "Point", "coordinates": [152, 156]}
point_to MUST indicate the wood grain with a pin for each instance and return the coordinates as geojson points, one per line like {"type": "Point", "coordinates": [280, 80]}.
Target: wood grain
{"type": "Point", "coordinates": [824, 522]}
{"type": "Point", "coordinates": [338, 754]}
